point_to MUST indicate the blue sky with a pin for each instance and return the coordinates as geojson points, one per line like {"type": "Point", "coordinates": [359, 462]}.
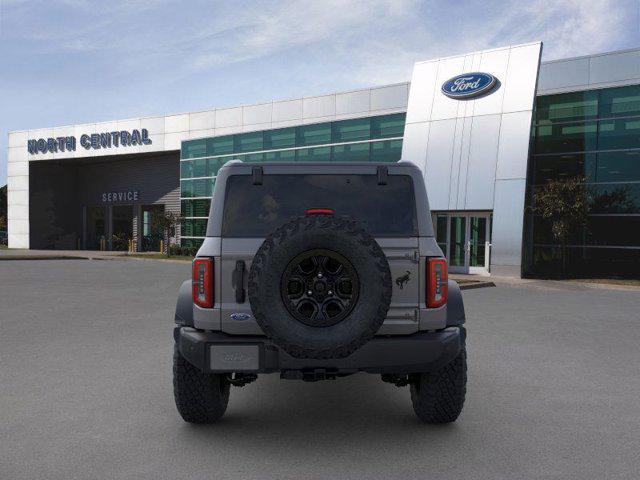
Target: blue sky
{"type": "Point", "coordinates": [73, 61]}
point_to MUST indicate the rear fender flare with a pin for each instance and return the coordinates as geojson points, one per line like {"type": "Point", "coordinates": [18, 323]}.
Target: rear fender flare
{"type": "Point", "coordinates": [455, 306]}
{"type": "Point", "coordinates": [184, 306]}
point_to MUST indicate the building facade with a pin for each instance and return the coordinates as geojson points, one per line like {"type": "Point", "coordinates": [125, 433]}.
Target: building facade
{"type": "Point", "coordinates": [487, 128]}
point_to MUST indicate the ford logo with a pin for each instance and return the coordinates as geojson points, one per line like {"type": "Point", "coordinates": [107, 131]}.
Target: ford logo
{"type": "Point", "coordinates": [469, 85]}
{"type": "Point", "coordinates": [240, 316]}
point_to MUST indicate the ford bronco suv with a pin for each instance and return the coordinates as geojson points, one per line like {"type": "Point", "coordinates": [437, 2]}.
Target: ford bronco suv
{"type": "Point", "coordinates": [317, 271]}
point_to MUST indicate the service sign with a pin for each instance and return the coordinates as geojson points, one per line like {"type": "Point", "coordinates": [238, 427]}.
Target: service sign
{"type": "Point", "coordinates": [469, 85]}
{"type": "Point", "coordinates": [119, 197]}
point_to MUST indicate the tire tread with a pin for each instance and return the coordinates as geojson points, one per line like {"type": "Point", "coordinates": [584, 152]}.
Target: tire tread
{"type": "Point", "coordinates": [200, 397]}
{"type": "Point", "coordinates": [438, 397]}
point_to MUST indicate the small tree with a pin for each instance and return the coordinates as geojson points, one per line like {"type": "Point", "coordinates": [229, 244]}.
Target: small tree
{"type": "Point", "coordinates": [166, 223]}
{"type": "Point", "coordinates": [565, 204]}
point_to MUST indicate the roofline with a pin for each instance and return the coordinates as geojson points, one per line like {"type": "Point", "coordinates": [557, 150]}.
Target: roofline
{"type": "Point", "coordinates": [266, 102]}
{"type": "Point", "coordinates": [601, 54]}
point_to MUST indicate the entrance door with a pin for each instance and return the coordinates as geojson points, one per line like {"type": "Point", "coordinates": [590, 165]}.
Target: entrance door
{"type": "Point", "coordinates": [151, 233]}
{"type": "Point", "coordinates": [465, 239]}
{"type": "Point", "coordinates": [96, 227]}
{"type": "Point", "coordinates": [122, 227]}
{"type": "Point", "coordinates": [457, 242]}
{"type": "Point", "coordinates": [478, 244]}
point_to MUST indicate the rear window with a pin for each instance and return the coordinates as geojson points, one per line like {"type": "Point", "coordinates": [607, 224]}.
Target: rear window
{"type": "Point", "coordinates": [256, 210]}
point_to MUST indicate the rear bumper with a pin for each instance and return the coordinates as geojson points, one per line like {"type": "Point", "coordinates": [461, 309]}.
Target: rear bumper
{"type": "Point", "coordinates": [215, 352]}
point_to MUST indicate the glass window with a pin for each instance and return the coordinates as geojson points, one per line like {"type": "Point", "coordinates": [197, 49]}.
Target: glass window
{"type": "Point", "coordinates": [195, 208]}
{"type": "Point", "coordinates": [352, 130]}
{"type": "Point", "coordinates": [193, 228]}
{"type": "Point", "coordinates": [549, 167]}
{"type": "Point", "coordinates": [191, 242]}
{"type": "Point", "coordinates": [355, 152]}
{"type": "Point", "coordinates": [615, 198]}
{"type": "Point", "coordinates": [388, 126]}
{"type": "Point", "coordinates": [618, 167]}
{"type": "Point", "coordinates": [280, 138]}
{"type": "Point", "coordinates": [441, 231]}
{"type": "Point", "coordinates": [313, 134]}
{"type": "Point", "coordinates": [615, 134]}
{"type": "Point", "coordinates": [566, 107]}
{"type": "Point", "coordinates": [620, 102]}
{"type": "Point", "coordinates": [253, 157]}
{"type": "Point", "coordinates": [280, 156]}
{"type": "Point", "coordinates": [186, 188]}
{"type": "Point", "coordinates": [575, 137]}
{"type": "Point", "coordinates": [216, 164]}
{"type": "Point", "coordinates": [199, 168]}
{"type": "Point", "coordinates": [248, 142]}
{"type": "Point", "coordinates": [387, 151]}
{"type": "Point", "coordinates": [254, 211]}
{"type": "Point", "coordinates": [613, 230]}
{"type": "Point", "coordinates": [197, 188]}
{"type": "Point", "coordinates": [194, 148]}
{"type": "Point", "coordinates": [318, 154]}
{"type": "Point", "coordinates": [586, 261]}
{"type": "Point", "coordinates": [186, 169]}
{"type": "Point", "coordinates": [220, 145]}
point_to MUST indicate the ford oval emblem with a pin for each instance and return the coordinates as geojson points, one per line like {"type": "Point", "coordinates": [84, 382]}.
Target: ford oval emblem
{"type": "Point", "coordinates": [240, 316]}
{"type": "Point", "coordinates": [469, 85]}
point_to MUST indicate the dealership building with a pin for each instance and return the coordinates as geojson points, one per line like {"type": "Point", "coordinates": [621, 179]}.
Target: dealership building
{"type": "Point", "coordinates": [489, 129]}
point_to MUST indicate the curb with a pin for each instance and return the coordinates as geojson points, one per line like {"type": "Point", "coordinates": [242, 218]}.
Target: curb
{"type": "Point", "coordinates": [474, 285]}
{"type": "Point", "coordinates": [44, 257]}
{"type": "Point", "coordinates": [169, 260]}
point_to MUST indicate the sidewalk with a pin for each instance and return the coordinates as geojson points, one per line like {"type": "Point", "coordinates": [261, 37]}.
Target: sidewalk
{"type": "Point", "coordinates": [22, 254]}
{"type": "Point", "coordinates": [467, 281]}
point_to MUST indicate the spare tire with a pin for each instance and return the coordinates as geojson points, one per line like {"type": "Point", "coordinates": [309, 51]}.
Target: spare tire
{"type": "Point", "coordinates": [320, 286]}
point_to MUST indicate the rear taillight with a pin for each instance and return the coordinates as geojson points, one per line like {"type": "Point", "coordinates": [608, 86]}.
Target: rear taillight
{"type": "Point", "coordinates": [437, 282]}
{"type": "Point", "coordinates": [202, 282]}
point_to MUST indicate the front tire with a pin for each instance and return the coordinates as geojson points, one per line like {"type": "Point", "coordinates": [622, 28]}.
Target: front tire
{"type": "Point", "coordinates": [200, 397]}
{"type": "Point", "coordinates": [438, 397]}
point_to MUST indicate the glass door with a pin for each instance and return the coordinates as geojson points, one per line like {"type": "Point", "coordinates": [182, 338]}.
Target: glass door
{"type": "Point", "coordinates": [465, 239]}
{"type": "Point", "coordinates": [151, 233]}
{"type": "Point", "coordinates": [95, 227]}
{"type": "Point", "coordinates": [457, 243]}
{"type": "Point", "coordinates": [122, 227]}
{"type": "Point", "coordinates": [478, 244]}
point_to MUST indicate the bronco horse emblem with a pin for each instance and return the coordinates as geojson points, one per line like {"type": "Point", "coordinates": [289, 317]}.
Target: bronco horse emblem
{"type": "Point", "coordinates": [400, 281]}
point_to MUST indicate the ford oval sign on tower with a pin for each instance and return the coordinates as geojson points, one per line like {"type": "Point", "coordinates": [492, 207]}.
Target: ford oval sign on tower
{"type": "Point", "coordinates": [469, 85]}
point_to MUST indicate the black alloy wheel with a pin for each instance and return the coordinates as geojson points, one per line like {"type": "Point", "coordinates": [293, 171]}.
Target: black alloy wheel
{"type": "Point", "coordinates": [319, 287]}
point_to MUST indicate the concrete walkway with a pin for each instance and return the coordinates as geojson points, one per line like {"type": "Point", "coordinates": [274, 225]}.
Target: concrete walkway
{"type": "Point", "coordinates": [23, 254]}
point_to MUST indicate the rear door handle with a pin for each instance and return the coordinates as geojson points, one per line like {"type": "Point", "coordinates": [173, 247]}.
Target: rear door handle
{"type": "Point", "coordinates": [238, 281]}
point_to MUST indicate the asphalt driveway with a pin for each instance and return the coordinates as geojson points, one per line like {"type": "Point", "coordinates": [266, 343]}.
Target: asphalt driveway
{"type": "Point", "coordinates": [85, 390]}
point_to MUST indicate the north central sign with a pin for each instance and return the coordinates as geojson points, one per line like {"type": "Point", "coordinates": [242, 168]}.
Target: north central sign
{"type": "Point", "coordinates": [469, 85]}
{"type": "Point", "coordinates": [93, 141]}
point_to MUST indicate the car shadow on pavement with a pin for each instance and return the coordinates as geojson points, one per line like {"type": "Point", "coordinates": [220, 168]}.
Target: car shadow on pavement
{"type": "Point", "coordinates": [327, 416]}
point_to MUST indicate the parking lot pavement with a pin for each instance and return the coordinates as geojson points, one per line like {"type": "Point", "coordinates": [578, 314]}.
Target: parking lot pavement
{"type": "Point", "coordinates": [85, 390]}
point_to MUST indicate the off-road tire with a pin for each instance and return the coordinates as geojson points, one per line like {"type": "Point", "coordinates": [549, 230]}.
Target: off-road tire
{"type": "Point", "coordinates": [344, 236]}
{"type": "Point", "coordinates": [438, 397]}
{"type": "Point", "coordinates": [200, 397]}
